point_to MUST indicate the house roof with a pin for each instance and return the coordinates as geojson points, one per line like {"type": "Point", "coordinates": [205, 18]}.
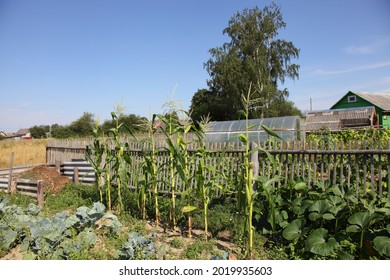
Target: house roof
{"type": "Point", "coordinates": [338, 119]}
{"type": "Point", "coordinates": [381, 100]}
{"type": "Point", "coordinates": [22, 131]}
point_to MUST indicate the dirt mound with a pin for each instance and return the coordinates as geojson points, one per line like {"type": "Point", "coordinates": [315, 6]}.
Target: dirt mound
{"type": "Point", "coordinates": [52, 180]}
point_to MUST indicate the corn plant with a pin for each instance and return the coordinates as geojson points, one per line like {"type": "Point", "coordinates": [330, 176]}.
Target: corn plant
{"type": "Point", "coordinates": [94, 156]}
{"type": "Point", "coordinates": [246, 191]}
{"type": "Point", "coordinates": [150, 170]}
{"type": "Point", "coordinates": [183, 161]}
{"type": "Point", "coordinates": [120, 159]}
{"type": "Point", "coordinates": [107, 170]}
{"type": "Point", "coordinates": [169, 131]}
{"type": "Point", "coordinates": [150, 166]}
{"type": "Point", "coordinates": [205, 187]}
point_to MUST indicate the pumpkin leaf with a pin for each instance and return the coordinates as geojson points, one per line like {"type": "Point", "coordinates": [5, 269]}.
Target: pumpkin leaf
{"type": "Point", "coordinates": [382, 245]}
{"type": "Point", "coordinates": [318, 244]}
{"type": "Point", "coordinates": [294, 229]}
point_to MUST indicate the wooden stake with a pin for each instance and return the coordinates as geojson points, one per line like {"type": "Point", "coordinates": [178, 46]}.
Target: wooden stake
{"type": "Point", "coordinates": [11, 164]}
{"type": "Point", "coordinates": [40, 193]}
{"type": "Point", "coordinates": [76, 175]}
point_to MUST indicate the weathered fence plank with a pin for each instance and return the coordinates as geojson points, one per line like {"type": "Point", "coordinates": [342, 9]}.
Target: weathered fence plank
{"type": "Point", "coordinates": [355, 166]}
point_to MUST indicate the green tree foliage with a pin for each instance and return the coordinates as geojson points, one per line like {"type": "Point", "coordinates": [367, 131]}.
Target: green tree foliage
{"type": "Point", "coordinates": [254, 55]}
{"type": "Point", "coordinates": [204, 103]}
{"type": "Point", "coordinates": [83, 126]}
{"type": "Point", "coordinates": [133, 122]}
{"type": "Point", "coordinates": [39, 132]}
{"type": "Point", "coordinates": [61, 132]}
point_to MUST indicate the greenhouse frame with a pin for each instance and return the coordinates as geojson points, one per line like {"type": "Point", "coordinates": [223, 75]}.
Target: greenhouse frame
{"type": "Point", "coordinates": [288, 128]}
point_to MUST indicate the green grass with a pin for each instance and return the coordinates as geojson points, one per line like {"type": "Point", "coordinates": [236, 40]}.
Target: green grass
{"type": "Point", "coordinates": [71, 197]}
{"type": "Point", "coordinates": [18, 199]}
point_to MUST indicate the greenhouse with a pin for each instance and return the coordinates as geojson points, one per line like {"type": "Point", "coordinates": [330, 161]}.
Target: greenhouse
{"type": "Point", "coordinates": [287, 128]}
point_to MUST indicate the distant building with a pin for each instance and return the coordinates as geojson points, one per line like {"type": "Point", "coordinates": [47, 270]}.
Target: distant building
{"type": "Point", "coordinates": [21, 134]}
{"type": "Point", "coordinates": [381, 102]}
{"type": "Point", "coordinates": [339, 119]}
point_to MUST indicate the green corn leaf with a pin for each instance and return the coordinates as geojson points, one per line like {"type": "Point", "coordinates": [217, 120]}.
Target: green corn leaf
{"type": "Point", "coordinates": [188, 208]}
{"type": "Point", "coordinates": [243, 138]}
{"type": "Point", "coordinates": [271, 132]}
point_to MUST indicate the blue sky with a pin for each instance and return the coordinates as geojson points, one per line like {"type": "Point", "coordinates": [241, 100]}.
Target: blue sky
{"type": "Point", "coordinates": [59, 59]}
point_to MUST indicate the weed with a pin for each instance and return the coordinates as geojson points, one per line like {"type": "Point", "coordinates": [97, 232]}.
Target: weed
{"type": "Point", "coordinates": [176, 242]}
{"type": "Point", "coordinates": [199, 250]}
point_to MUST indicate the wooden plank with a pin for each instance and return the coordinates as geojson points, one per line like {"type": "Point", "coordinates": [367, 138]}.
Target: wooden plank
{"type": "Point", "coordinates": [341, 166]}
{"type": "Point", "coordinates": [322, 165]}
{"type": "Point", "coordinates": [349, 166]}
{"type": "Point", "coordinates": [308, 167]}
{"type": "Point", "coordinates": [388, 171]}
{"type": "Point", "coordinates": [31, 194]}
{"type": "Point", "coordinates": [364, 170]}
{"type": "Point", "coordinates": [32, 187]}
{"type": "Point", "coordinates": [334, 165]}
{"type": "Point", "coordinates": [357, 170]}
{"type": "Point", "coordinates": [372, 172]}
{"type": "Point", "coordinates": [315, 165]}
{"type": "Point", "coordinates": [380, 176]}
{"type": "Point", "coordinates": [26, 181]}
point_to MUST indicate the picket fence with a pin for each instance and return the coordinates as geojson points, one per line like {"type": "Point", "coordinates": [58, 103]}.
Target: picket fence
{"type": "Point", "coordinates": [361, 166]}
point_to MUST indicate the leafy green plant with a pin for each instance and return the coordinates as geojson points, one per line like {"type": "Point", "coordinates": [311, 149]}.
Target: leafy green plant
{"type": "Point", "coordinates": [199, 249]}
{"type": "Point", "coordinates": [137, 247]}
{"type": "Point", "coordinates": [318, 243]}
{"type": "Point", "coordinates": [61, 236]}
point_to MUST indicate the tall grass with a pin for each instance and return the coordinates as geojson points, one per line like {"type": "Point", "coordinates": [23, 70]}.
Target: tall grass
{"type": "Point", "coordinates": [25, 152]}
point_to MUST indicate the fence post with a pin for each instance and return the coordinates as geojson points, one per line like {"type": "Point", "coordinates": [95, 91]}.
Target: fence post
{"type": "Point", "coordinates": [11, 165]}
{"type": "Point", "coordinates": [40, 194]}
{"type": "Point", "coordinates": [76, 175]}
{"type": "Point", "coordinates": [58, 166]}
{"type": "Point", "coordinates": [12, 185]}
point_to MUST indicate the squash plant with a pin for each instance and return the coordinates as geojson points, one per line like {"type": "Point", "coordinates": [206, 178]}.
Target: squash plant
{"type": "Point", "coordinates": [334, 224]}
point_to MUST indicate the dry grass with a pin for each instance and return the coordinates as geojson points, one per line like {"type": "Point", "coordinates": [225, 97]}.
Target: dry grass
{"type": "Point", "coordinates": [25, 152]}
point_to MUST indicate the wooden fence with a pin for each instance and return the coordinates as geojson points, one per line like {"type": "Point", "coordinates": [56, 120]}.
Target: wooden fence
{"type": "Point", "coordinates": [32, 188]}
{"type": "Point", "coordinates": [363, 167]}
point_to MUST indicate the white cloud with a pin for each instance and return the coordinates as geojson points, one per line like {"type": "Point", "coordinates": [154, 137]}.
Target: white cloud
{"type": "Point", "coordinates": [369, 48]}
{"type": "Point", "coordinates": [324, 72]}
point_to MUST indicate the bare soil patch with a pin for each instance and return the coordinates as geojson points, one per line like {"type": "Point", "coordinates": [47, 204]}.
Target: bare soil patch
{"type": "Point", "coordinates": [52, 180]}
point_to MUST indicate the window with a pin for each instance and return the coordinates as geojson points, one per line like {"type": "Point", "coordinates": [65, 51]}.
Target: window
{"type": "Point", "coordinates": [351, 98]}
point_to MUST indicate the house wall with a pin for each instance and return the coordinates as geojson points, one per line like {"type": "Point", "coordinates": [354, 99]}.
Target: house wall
{"type": "Point", "coordinates": [386, 120]}
{"type": "Point", "coordinates": [360, 102]}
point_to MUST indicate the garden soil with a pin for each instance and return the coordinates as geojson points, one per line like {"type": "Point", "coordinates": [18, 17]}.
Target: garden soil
{"type": "Point", "coordinates": [52, 181]}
